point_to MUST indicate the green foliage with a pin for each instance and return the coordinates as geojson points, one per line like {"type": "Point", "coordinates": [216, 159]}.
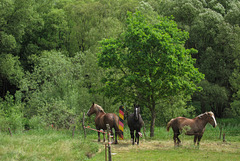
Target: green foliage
{"type": "Point", "coordinates": [8, 43]}
{"type": "Point", "coordinates": [233, 14]}
{"type": "Point", "coordinates": [36, 122]}
{"type": "Point", "coordinates": [234, 80]}
{"type": "Point", "coordinates": [11, 69]}
{"type": "Point", "coordinates": [213, 97]}
{"type": "Point", "coordinates": [55, 89]}
{"type": "Point", "coordinates": [91, 21]}
{"type": "Point", "coordinates": [150, 56]}
{"type": "Point", "coordinates": [11, 115]}
{"type": "Point", "coordinates": [213, 29]}
{"type": "Point", "coordinates": [48, 51]}
{"type": "Point", "coordinates": [148, 62]}
{"type": "Point", "coordinates": [174, 107]}
{"type": "Point", "coordinates": [235, 107]}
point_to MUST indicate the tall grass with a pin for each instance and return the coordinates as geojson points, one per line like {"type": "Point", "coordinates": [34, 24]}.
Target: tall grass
{"type": "Point", "coordinates": [50, 144]}
{"type": "Point", "coordinates": [46, 145]}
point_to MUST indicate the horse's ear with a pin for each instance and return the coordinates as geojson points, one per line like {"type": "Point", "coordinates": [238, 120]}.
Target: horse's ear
{"type": "Point", "coordinates": [93, 103]}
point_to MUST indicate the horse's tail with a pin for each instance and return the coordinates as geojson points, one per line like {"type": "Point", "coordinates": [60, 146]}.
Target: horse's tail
{"type": "Point", "coordinates": [169, 124]}
{"type": "Point", "coordinates": [116, 126]}
{"type": "Point", "coordinates": [118, 131]}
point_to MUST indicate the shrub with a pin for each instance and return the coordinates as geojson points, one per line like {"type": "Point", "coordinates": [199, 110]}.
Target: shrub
{"type": "Point", "coordinates": [11, 115]}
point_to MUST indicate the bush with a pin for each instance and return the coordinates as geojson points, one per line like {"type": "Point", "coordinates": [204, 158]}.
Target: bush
{"type": "Point", "coordinates": [11, 115]}
{"type": "Point", "coordinates": [57, 114]}
{"type": "Point", "coordinates": [36, 122]}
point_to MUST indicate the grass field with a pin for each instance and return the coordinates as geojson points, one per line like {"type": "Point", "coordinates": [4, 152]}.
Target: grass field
{"type": "Point", "coordinates": [60, 145]}
{"type": "Point", "coordinates": [164, 150]}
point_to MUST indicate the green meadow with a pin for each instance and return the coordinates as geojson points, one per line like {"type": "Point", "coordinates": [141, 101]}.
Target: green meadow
{"type": "Point", "coordinates": [49, 144]}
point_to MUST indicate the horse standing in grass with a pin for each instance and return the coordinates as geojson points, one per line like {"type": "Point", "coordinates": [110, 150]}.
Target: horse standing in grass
{"type": "Point", "coordinates": [102, 119]}
{"type": "Point", "coordinates": [135, 123]}
{"type": "Point", "coordinates": [194, 126]}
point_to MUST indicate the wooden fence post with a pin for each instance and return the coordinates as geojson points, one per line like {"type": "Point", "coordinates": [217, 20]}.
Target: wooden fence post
{"type": "Point", "coordinates": [10, 131]}
{"type": "Point", "coordinates": [105, 151]}
{"type": "Point", "coordinates": [220, 133]}
{"type": "Point", "coordinates": [109, 144]}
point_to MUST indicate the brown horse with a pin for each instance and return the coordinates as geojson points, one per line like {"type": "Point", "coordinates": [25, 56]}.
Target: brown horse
{"type": "Point", "coordinates": [194, 126]}
{"type": "Point", "coordinates": [102, 119]}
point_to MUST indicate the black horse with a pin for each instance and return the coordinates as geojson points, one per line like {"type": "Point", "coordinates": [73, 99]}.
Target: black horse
{"type": "Point", "coordinates": [135, 122]}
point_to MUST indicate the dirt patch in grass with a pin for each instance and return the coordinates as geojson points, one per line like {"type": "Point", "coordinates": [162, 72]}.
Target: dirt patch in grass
{"type": "Point", "coordinates": [217, 146]}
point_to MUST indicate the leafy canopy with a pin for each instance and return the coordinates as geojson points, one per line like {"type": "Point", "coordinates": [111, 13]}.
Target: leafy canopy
{"type": "Point", "coordinates": [148, 61]}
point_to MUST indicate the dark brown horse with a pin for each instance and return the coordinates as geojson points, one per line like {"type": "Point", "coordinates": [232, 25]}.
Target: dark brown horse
{"type": "Point", "coordinates": [194, 126]}
{"type": "Point", "coordinates": [135, 123]}
{"type": "Point", "coordinates": [102, 119]}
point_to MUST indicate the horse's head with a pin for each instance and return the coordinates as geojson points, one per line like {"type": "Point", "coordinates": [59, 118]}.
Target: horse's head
{"type": "Point", "coordinates": [136, 112]}
{"type": "Point", "coordinates": [94, 109]}
{"type": "Point", "coordinates": [211, 119]}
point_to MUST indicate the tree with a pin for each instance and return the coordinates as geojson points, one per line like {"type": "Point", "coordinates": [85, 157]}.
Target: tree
{"type": "Point", "coordinates": [147, 63]}
{"type": "Point", "coordinates": [53, 90]}
{"type": "Point", "coordinates": [212, 26]}
{"type": "Point", "coordinates": [11, 72]}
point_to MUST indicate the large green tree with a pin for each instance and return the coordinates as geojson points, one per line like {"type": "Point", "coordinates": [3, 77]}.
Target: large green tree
{"type": "Point", "coordinates": [213, 29]}
{"type": "Point", "coordinates": [148, 62]}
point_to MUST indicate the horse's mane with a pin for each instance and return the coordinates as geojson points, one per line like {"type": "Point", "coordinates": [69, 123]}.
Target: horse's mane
{"type": "Point", "coordinates": [211, 113]}
{"type": "Point", "coordinates": [203, 114]}
{"type": "Point", "coordinates": [99, 108]}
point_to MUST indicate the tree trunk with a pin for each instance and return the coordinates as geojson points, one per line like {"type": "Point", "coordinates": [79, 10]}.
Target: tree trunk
{"type": "Point", "coordinates": [152, 122]}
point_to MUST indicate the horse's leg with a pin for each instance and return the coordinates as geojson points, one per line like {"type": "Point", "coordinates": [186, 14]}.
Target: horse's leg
{"type": "Point", "coordinates": [104, 136]}
{"type": "Point", "coordinates": [174, 139]}
{"type": "Point", "coordinates": [195, 139]}
{"type": "Point", "coordinates": [178, 140]}
{"type": "Point", "coordinates": [116, 142]}
{"type": "Point", "coordinates": [132, 136]}
{"type": "Point", "coordinates": [137, 137]}
{"type": "Point", "coordinates": [98, 136]}
{"type": "Point", "coordinates": [199, 138]}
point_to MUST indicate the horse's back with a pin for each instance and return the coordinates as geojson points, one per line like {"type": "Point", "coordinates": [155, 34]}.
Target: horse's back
{"type": "Point", "coordinates": [112, 119]}
{"type": "Point", "coordinates": [181, 123]}
{"type": "Point", "coordinates": [130, 118]}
